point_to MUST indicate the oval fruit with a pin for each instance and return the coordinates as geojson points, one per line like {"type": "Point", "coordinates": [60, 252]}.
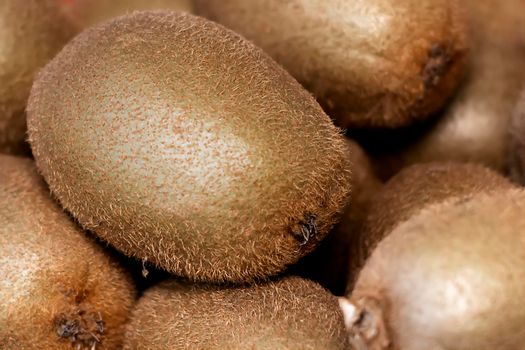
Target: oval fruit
{"type": "Point", "coordinates": [291, 313]}
{"type": "Point", "coordinates": [413, 189]}
{"type": "Point", "coordinates": [58, 289]}
{"type": "Point", "coordinates": [181, 143]}
{"type": "Point", "coordinates": [474, 127]}
{"type": "Point", "coordinates": [379, 63]}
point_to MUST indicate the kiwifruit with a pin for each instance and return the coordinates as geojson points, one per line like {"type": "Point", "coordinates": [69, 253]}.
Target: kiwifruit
{"type": "Point", "coordinates": [328, 264]}
{"type": "Point", "coordinates": [413, 189]}
{"type": "Point", "coordinates": [31, 32]}
{"type": "Point", "coordinates": [183, 144]}
{"type": "Point", "coordinates": [58, 288]}
{"type": "Point", "coordinates": [86, 13]}
{"type": "Point", "coordinates": [474, 128]}
{"type": "Point", "coordinates": [450, 277]}
{"type": "Point", "coordinates": [291, 313]}
{"type": "Point", "coordinates": [517, 143]}
{"type": "Point", "coordinates": [379, 63]}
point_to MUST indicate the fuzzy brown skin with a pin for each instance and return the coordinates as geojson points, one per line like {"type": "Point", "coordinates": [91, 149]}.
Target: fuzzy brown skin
{"type": "Point", "coordinates": [413, 189]}
{"type": "Point", "coordinates": [58, 288]}
{"type": "Point", "coordinates": [291, 313]}
{"type": "Point", "coordinates": [31, 33]}
{"type": "Point", "coordinates": [474, 128]}
{"type": "Point", "coordinates": [517, 143]}
{"type": "Point", "coordinates": [380, 63]}
{"type": "Point", "coordinates": [328, 264]}
{"type": "Point", "coordinates": [85, 13]}
{"type": "Point", "coordinates": [179, 142]}
{"type": "Point", "coordinates": [450, 278]}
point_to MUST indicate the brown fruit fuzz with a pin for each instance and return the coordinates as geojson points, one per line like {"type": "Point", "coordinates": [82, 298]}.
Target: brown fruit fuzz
{"type": "Point", "coordinates": [474, 126]}
{"type": "Point", "coordinates": [380, 63]}
{"type": "Point", "coordinates": [180, 142]}
{"type": "Point", "coordinates": [328, 264]}
{"type": "Point", "coordinates": [413, 189]}
{"type": "Point", "coordinates": [58, 289]}
{"type": "Point", "coordinates": [32, 32]}
{"type": "Point", "coordinates": [290, 313]}
{"type": "Point", "coordinates": [86, 13]}
{"type": "Point", "coordinates": [448, 278]}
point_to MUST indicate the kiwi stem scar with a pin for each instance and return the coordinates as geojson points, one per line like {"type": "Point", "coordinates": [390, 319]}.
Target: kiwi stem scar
{"type": "Point", "coordinates": [307, 230]}
{"type": "Point", "coordinates": [75, 328]}
{"type": "Point", "coordinates": [436, 66]}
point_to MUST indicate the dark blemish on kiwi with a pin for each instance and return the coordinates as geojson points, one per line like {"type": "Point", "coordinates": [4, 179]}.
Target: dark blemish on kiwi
{"type": "Point", "coordinates": [437, 65]}
{"type": "Point", "coordinates": [67, 328]}
{"type": "Point", "coordinates": [84, 330]}
{"type": "Point", "coordinates": [307, 230]}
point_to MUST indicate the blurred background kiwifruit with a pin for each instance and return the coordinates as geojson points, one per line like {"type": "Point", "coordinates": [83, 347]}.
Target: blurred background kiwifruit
{"type": "Point", "coordinates": [290, 313]}
{"type": "Point", "coordinates": [474, 126]}
{"type": "Point", "coordinates": [449, 277]}
{"type": "Point", "coordinates": [58, 288]}
{"type": "Point", "coordinates": [378, 63]}
{"type": "Point", "coordinates": [31, 33]}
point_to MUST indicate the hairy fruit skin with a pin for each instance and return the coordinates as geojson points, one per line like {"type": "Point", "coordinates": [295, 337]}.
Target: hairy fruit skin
{"type": "Point", "coordinates": [179, 142]}
{"type": "Point", "coordinates": [287, 314]}
{"type": "Point", "coordinates": [86, 13]}
{"type": "Point", "coordinates": [31, 33]}
{"type": "Point", "coordinates": [474, 126]}
{"type": "Point", "coordinates": [413, 189]}
{"type": "Point", "coordinates": [451, 277]}
{"type": "Point", "coordinates": [380, 63]}
{"type": "Point", "coordinates": [328, 264]}
{"type": "Point", "coordinates": [58, 289]}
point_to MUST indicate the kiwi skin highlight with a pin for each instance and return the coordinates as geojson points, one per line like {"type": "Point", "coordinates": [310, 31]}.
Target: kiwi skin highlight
{"type": "Point", "coordinates": [451, 277]}
{"type": "Point", "coordinates": [58, 288]}
{"type": "Point", "coordinates": [474, 127]}
{"type": "Point", "coordinates": [328, 264]}
{"type": "Point", "coordinates": [222, 172]}
{"type": "Point", "coordinates": [380, 63]}
{"type": "Point", "coordinates": [290, 313]}
{"type": "Point", "coordinates": [86, 13]}
{"type": "Point", "coordinates": [31, 32]}
{"type": "Point", "coordinates": [413, 189]}
{"type": "Point", "coordinates": [517, 143]}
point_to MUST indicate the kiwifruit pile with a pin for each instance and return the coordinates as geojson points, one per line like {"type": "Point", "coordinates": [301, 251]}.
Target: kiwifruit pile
{"type": "Point", "coordinates": [262, 174]}
{"type": "Point", "coordinates": [474, 126]}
